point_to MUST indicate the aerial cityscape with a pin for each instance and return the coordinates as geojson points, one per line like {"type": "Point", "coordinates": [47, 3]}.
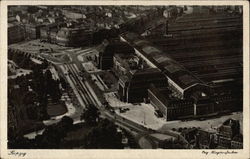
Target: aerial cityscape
{"type": "Point", "coordinates": [125, 77]}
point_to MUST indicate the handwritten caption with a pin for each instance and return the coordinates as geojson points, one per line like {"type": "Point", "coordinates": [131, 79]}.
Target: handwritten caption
{"type": "Point", "coordinates": [213, 152]}
{"type": "Point", "coordinates": [16, 153]}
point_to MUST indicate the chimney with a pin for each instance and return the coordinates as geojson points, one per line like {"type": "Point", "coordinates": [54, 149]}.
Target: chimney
{"type": "Point", "coordinates": [166, 27]}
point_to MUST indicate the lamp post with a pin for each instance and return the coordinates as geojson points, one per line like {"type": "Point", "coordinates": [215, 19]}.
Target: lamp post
{"type": "Point", "coordinates": [144, 118]}
{"type": "Point", "coordinates": [167, 15]}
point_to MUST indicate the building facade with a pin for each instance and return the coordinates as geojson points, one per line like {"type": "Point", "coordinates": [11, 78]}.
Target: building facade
{"type": "Point", "coordinates": [32, 31]}
{"type": "Point", "coordinates": [106, 59]}
{"type": "Point", "coordinates": [16, 33]}
{"type": "Point", "coordinates": [229, 135]}
{"type": "Point", "coordinates": [133, 86]}
{"type": "Point", "coordinates": [74, 37]}
{"type": "Point", "coordinates": [171, 107]}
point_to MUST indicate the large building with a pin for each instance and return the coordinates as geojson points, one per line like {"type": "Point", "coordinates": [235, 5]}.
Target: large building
{"type": "Point", "coordinates": [74, 37]}
{"type": "Point", "coordinates": [180, 80]}
{"type": "Point", "coordinates": [170, 106]}
{"type": "Point", "coordinates": [207, 45]}
{"type": "Point", "coordinates": [201, 49]}
{"type": "Point", "coordinates": [134, 85]}
{"type": "Point", "coordinates": [192, 61]}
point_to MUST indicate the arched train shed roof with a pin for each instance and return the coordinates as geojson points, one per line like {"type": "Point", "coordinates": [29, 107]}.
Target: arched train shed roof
{"type": "Point", "coordinates": [176, 73]}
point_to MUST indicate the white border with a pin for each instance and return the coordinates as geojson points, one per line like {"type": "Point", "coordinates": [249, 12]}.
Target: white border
{"type": "Point", "coordinates": [145, 154]}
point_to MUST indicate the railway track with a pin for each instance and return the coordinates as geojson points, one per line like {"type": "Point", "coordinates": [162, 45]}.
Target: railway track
{"type": "Point", "coordinates": [198, 18]}
{"type": "Point", "coordinates": [210, 54]}
{"type": "Point", "coordinates": [82, 99]}
{"type": "Point", "coordinates": [215, 43]}
{"type": "Point", "coordinates": [220, 74]}
{"type": "Point", "coordinates": [82, 86]}
{"type": "Point", "coordinates": [213, 61]}
{"type": "Point", "coordinates": [210, 23]}
{"type": "Point", "coordinates": [201, 37]}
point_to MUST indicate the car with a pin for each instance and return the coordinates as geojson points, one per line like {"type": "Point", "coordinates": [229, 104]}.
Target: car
{"type": "Point", "coordinates": [126, 109]}
{"type": "Point", "coordinates": [159, 113]}
{"type": "Point", "coordinates": [156, 114]}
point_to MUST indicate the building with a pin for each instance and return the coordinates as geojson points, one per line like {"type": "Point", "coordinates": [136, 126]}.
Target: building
{"type": "Point", "coordinates": [229, 128]}
{"type": "Point", "coordinates": [214, 58]}
{"type": "Point", "coordinates": [123, 63]}
{"type": "Point", "coordinates": [132, 87]}
{"type": "Point", "coordinates": [73, 14]}
{"type": "Point", "coordinates": [12, 19]}
{"type": "Point", "coordinates": [16, 33]}
{"type": "Point", "coordinates": [180, 80]}
{"type": "Point", "coordinates": [168, 104]}
{"type": "Point", "coordinates": [32, 31]}
{"type": "Point", "coordinates": [206, 139]}
{"type": "Point", "coordinates": [48, 32]}
{"type": "Point", "coordinates": [229, 134]}
{"type": "Point", "coordinates": [189, 134]}
{"type": "Point", "coordinates": [215, 96]}
{"type": "Point", "coordinates": [74, 37]}
{"type": "Point", "coordinates": [106, 57]}
{"type": "Point", "coordinates": [237, 142]}
{"type": "Point", "coordinates": [202, 104]}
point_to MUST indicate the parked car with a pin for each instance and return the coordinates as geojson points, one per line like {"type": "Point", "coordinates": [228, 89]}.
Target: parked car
{"type": "Point", "coordinates": [158, 113]}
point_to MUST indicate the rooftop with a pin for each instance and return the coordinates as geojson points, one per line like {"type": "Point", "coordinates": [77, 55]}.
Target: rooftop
{"type": "Point", "coordinates": [230, 122]}
{"type": "Point", "coordinates": [208, 45]}
{"type": "Point", "coordinates": [129, 62]}
{"type": "Point", "coordinates": [175, 71]}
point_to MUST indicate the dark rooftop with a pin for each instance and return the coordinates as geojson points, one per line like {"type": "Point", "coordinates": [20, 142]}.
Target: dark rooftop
{"type": "Point", "coordinates": [175, 71]}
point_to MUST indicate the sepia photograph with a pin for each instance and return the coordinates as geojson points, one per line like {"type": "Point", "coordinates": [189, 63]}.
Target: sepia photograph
{"type": "Point", "coordinates": [126, 77]}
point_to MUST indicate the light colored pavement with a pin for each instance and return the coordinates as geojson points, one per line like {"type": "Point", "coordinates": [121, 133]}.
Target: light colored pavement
{"type": "Point", "coordinates": [208, 124]}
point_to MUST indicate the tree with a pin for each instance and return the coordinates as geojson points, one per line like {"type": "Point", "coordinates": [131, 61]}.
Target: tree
{"type": "Point", "coordinates": [100, 137]}
{"type": "Point", "coordinates": [63, 83]}
{"type": "Point", "coordinates": [51, 138]}
{"type": "Point", "coordinates": [172, 144]}
{"type": "Point", "coordinates": [53, 135]}
{"type": "Point", "coordinates": [48, 75]}
{"type": "Point", "coordinates": [90, 115]}
{"type": "Point", "coordinates": [66, 123]}
{"type": "Point", "coordinates": [32, 9]}
{"type": "Point", "coordinates": [20, 142]}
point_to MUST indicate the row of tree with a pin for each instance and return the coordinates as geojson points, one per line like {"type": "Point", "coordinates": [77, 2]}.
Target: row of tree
{"type": "Point", "coordinates": [103, 135]}
{"type": "Point", "coordinates": [23, 61]}
{"type": "Point", "coordinates": [50, 139]}
{"type": "Point", "coordinates": [99, 137]}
